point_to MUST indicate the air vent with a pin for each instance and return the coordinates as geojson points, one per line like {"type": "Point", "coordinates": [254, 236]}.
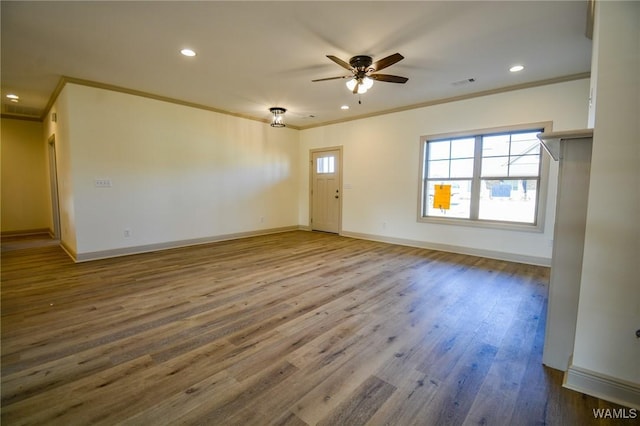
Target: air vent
{"type": "Point", "coordinates": [20, 110]}
{"type": "Point", "coordinates": [463, 82]}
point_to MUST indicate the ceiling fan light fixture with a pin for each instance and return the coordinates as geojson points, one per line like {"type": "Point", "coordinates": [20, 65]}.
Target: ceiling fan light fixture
{"type": "Point", "coordinates": [278, 116]}
{"type": "Point", "coordinates": [364, 84]}
{"type": "Point", "coordinates": [363, 69]}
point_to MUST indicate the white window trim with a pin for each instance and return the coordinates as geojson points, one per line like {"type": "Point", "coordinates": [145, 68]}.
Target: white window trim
{"type": "Point", "coordinates": [546, 126]}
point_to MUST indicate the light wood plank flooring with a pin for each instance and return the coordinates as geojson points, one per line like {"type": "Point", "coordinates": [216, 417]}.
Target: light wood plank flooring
{"type": "Point", "coordinates": [297, 328]}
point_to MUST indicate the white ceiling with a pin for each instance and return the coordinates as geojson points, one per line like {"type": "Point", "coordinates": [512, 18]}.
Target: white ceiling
{"type": "Point", "coordinates": [254, 55]}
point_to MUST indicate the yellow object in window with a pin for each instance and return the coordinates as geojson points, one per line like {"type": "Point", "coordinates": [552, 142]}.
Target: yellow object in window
{"type": "Point", "coordinates": [442, 197]}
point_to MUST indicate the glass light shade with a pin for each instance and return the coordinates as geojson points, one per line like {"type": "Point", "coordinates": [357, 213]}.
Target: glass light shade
{"type": "Point", "coordinates": [365, 84]}
{"type": "Point", "coordinates": [278, 116]}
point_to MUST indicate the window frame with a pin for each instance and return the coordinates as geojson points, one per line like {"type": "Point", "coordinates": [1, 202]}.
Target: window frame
{"type": "Point", "coordinates": [542, 192]}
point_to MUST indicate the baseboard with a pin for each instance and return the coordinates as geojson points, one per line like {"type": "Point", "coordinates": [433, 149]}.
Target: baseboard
{"type": "Point", "coordinates": [71, 253]}
{"type": "Point", "coordinates": [600, 386]}
{"type": "Point", "coordinates": [126, 251]}
{"type": "Point", "coordinates": [26, 232]}
{"type": "Point", "coordinates": [510, 257]}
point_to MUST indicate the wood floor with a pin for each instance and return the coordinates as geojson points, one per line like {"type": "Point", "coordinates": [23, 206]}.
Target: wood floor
{"type": "Point", "coordinates": [287, 329]}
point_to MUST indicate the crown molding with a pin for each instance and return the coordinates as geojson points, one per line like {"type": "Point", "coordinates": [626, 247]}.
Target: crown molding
{"type": "Point", "coordinates": [522, 86]}
{"type": "Point", "coordinates": [64, 80]}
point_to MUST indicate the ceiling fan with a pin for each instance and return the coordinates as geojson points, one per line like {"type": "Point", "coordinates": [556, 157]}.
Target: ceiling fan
{"type": "Point", "coordinates": [364, 71]}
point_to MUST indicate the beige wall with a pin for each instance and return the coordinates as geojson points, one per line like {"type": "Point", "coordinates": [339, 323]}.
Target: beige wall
{"type": "Point", "coordinates": [181, 174]}
{"type": "Point", "coordinates": [381, 168]}
{"type": "Point", "coordinates": [178, 174]}
{"type": "Point", "coordinates": [25, 187]}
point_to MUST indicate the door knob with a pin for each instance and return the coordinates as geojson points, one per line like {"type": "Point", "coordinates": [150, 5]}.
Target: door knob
{"type": "Point", "coordinates": [337, 196]}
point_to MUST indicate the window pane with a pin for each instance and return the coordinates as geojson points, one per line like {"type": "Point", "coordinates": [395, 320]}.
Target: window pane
{"type": "Point", "coordinates": [459, 203]}
{"type": "Point", "coordinates": [463, 148]}
{"type": "Point", "coordinates": [511, 200]}
{"type": "Point", "coordinates": [495, 145]}
{"type": "Point", "coordinates": [462, 168]}
{"type": "Point", "coordinates": [438, 169]}
{"type": "Point", "coordinates": [439, 150]}
{"type": "Point", "coordinates": [495, 166]}
{"type": "Point", "coordinates": [325, 165]}
{"type": "Point", "coordinates": [529, 136]}
{"type": "Point", "coordinates": [525, 147]}
{"type": "Point", "coordinates": [527, 165]}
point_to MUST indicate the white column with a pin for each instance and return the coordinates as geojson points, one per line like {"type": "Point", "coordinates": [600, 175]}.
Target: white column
{"type": "Point", "coordinates": [606, 359]}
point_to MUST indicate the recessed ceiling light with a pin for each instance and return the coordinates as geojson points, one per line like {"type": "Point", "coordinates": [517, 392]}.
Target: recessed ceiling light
{"type": "Point", "coordinates": [516, 68]}
{"type": "Point", "coordinates": [188, 52]}
{"type": "Point", "coordinates": [12, 96]}
{"type": "Point", "coordinates": [344, 107]}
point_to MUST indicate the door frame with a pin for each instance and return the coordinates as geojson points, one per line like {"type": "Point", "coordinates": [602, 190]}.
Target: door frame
{"type": "Point", "coordinates": [340, 170]}
{"type": "Point", "coordinates": [53, 185]}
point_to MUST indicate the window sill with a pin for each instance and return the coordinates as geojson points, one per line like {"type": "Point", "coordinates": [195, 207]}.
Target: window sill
{"type": "Point", "coordinates": [487, 224]}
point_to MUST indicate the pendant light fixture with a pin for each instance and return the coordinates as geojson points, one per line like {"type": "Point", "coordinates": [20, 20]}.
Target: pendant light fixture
{"type": "Point", "coordinates": [278, 116]}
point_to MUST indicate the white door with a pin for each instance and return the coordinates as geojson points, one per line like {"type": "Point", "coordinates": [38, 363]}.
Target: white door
{"type": "Point", "coordinates": [326, 197]}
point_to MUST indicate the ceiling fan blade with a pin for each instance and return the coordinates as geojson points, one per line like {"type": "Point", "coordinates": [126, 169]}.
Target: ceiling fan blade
{"type": "Point", "coordinates": [340, 62]}
{"type": "Point", "coordinates": [356, 87]}
{"type": "Point", "coordinates": [332, 78]}
{"type": "Point", "coordinates": [389, 78]}
{"type": "Point", "coordinates": [386, 62]}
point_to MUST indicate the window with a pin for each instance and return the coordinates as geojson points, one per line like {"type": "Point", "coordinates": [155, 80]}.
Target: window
{"type": "Point", "coordinates": [493, 177]}
{"type": "Point", "coordinates": [326, 165]}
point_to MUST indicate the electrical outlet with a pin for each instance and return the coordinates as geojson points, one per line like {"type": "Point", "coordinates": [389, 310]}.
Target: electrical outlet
{"type": "Point", "coordinates": [127, 233]}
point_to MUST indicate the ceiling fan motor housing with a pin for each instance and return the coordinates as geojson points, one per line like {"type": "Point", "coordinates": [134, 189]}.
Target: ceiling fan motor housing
{"type": "Point", "coordinates": [361, 62]}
